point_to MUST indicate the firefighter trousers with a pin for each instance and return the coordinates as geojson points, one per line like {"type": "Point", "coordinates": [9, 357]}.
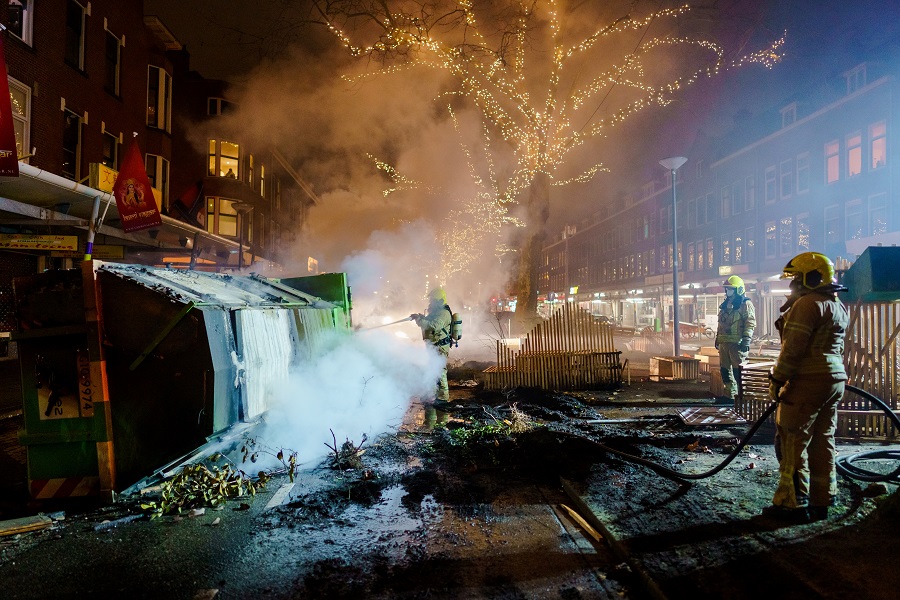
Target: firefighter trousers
{"type": "Point", "coordinates": [730, 360]}
{"type": "Point", "coordinates": [805, 421]}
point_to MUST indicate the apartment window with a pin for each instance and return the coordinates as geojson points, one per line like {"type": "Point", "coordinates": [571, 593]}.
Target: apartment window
{"type": "Point", "coordinates": [158, 173]}
{"type": "Point", "coordinates": [771, 239]}
{"type": "Point", "coordinates": [803, 232]}
{"type": "Point", "coordinates": [159, 98]}
{"type": "Point", "coordinates": [221, 217]}
{"type": "Point", "coordinates": [786, 236]}
{"type": "Point", "coordinates": [19, 16]}
{"type": "Point", "coordinates": [250, 171]}
{"type": "Point", "coordinates": [878, 150]}
{"type": "Point", "coordinates": [262, 180]}
{"type": "Point", "coordinates": [74, 41]}
{"type": "Point", "coordinates": [712, 208]}
{"type": "Point", "coordinates": [110, 151]}
{"type": "Point", "coordinates": [725, 195]}
{"type": "Point", "coordinates": [771, 190]}
{"type": "Point", "coordinates": [789, 114]}
{"type": "Point", "coordinates": [737, 197]}
{"type": "Point", "coordinates": [663, 220]}
{"type": "Point", "coordinates": [726, 251]}
{"type": "Point", "coordinates": [113, 62]}
{"type": "Point", "coordinates": [20, 101]}
{"type": "Point", "coordinates": [855, 219]}
{"type": "Point", "coordinates": [71, 145]}
{"type": "Point", "coordinates": [219, 106]}
{"type": "Point", "coordinates": [749, 245]}
{"type": "Point", "coordinates": [692, 213]}
{"type": "Point", "coordinates": [749, 193]}
{"type": "Point", "coordinates": [663, 257]}
{"type": "Point", "coordinates": [803, 173]}
{"type": "Point", "coordinates": [833, 233]}
{"type": "Point", "coordinates": [701, 210]}
{"type": "Point", "coordinates": [878, 214]}
{"type": "Point", "coordinates": [832, 162]}
{"type": "Point", "coordinates": [224, 159]}
{"type": "Point", "coordinates": [787, 178]}
{"type": "Point", "coordinates": [856, 78]}
{"type": "Point", "coordinates": [738, 248]}
{"type": "Point", "coordinates": [710, 253]}
{"type": "Point", "coordinates": [854, 154]}
{"type": "Point", "coordinates": [699, 168]}
{"type": "Point", "coordinates": [690, 256]}
{"type": "Point", "coordinates": [277, 187]}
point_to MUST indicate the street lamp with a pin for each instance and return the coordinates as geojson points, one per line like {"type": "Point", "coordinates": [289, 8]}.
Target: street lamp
{"type": "Point", "coordinates": [241, 208]}
{"type": "Point", "coordinates": [672, 164]}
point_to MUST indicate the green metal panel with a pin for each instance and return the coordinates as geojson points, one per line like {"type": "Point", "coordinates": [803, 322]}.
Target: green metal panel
{"type": "Point", "coordinates": [875, 276]}
{"type": "Point", "coordinates": [331, 287]}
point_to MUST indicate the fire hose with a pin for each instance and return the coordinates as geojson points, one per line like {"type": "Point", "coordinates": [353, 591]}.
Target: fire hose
{"type": "Point", "coordinates": [844, 464]}
{"type": "Point", "coordinates": [387, 324]}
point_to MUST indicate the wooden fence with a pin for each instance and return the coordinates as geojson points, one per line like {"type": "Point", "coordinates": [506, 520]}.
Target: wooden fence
{"type": "Point", "coordinates": [567, 352]}
{"type": "Point", "coordinates": [872, 359]}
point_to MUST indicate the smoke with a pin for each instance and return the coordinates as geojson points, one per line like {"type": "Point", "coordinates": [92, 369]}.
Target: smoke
{"type": "Point", "coordinates": [358, 384]}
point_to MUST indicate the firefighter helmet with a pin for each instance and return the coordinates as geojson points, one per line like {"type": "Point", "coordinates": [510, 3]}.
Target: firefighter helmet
{"type": "Point", "coordinates": [737, 283]}
{"type": "Point", "coordinates": [437, 295]}
{"type": "Point", "coordinates": [812, 269]}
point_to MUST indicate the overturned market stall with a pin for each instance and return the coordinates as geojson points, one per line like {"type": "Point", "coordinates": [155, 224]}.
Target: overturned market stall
{"type": "Point", "coordinates": [126, 367]}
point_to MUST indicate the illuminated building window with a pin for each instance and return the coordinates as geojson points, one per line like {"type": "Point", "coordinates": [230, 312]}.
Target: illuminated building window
{"type": "Point", "coordinates": [113, 59]}
{"type": "Point", "coordinates": [749, 245]}
{"type": "Point", "coordinates": [803, 173]}
{"type": "Point", "coordinates": [771, 240]}
{"type": "Point", "coordinates": [20, 101]}
{"type": "Point", "coordinates": [158, 173]}
{"type": "Point", "coordinates": [749, 193]}
{"type": "Point", "coordinates": [110, 151]}
{"type": "Point", "coordinates": [786, 236]}
{"type": "Point", "coordinates": [787, 178]}
{"type": "Point", "coordinates": [855, 219]}
{"type": "Point", "coordinates": [738, 248]}
{"type": "Point", "coordinates": [159, 98]}
{"type": "Point", "coordinates": [221, 217]}
{"type": "Point", "coordinates": [710, 253]}
{"type": "Point", "coordinates": [803, 232]}
{"type": "Point", "coordinates": [726, 251]}
{"type": "Point", "coordinates": [832, 162]}
{"type": "Point", "coordinates": [690, 257]}
{"type": "Point", "coordinates": [18, 17]}
{"type": "Point", "coordinates": [771, 190]}
{"type": "Point", "coordinates": [250, 171]}
{"type": "Point", "coordinates": [854, 154]}
{"type": "Point", "coordinates": [71, 146]}
{"type": "Point", "coordinates": [878, 150]}
{"type": "Point", "coordinates": [878, 214]}
{"type": "Point", "coordinates": [224, 159]}
{"type": "Point", "coordinates": [74, 40]}
{"type": "Point", "coordinates": [262, 180]}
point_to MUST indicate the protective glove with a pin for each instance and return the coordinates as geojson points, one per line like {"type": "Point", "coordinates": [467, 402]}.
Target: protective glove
{"type": "Point", "coordinates": [775, 388]}
{"type": "Point", "coordinates": [744, 347]}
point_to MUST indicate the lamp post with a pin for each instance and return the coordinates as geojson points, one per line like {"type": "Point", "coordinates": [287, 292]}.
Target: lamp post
{"type": "Point", "coordinates": [241, 208]}
{"type": "Point", "coordinates": [672, 164]}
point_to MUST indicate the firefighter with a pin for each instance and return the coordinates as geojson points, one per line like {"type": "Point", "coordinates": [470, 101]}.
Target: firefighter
{"type": "Point", "coordinates": [808, 382]}
{"type": "Point", "coordinates": [435, 326]}
{"type": "Point", "coordinates": [737, 320]}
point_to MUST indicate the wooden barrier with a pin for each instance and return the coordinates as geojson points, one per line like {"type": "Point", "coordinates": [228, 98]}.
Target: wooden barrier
{"type": "Point", "coordinates": [567, 352]}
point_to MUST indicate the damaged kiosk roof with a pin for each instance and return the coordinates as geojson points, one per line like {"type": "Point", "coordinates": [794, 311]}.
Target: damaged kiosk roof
{"type": "Point", "coordinates": [227, 291]}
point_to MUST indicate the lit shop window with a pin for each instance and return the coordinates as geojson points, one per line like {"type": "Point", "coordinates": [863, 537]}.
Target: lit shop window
{"type": "Point", "coordinates": [771, 240]}
{"type": "Point", "coordinates": [878, 135]}
{"type": "Point", "coordinates": [159, 98]}
{"type": "Point", "coordinates": [832, 162]}
{"type": "Point", "coordinates": [710, 253]}
{"type": "Point", "coordinates": [786, 236]}
{"type": "Point", "coordinates": [803, 232]}
{"type": "Point", "coordinates": [221, 217]}
{"type": "Point", "coordinates": [726, 251]}
{"type": "Point", "coordinates": [854, 154]}
{"type": "Point", "coordinates": [738, 248]}
{"type": "Point", "coordinates": [224, 159]}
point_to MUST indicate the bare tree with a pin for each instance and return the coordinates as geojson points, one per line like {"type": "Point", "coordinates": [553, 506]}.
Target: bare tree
{"type": "Point", "coordinates": [548, 78]}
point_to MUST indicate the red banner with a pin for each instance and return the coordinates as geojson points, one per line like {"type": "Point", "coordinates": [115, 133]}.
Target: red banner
{"type": "Point", "coordinates": [134, 196]}
{"type": "Point", "coordinates": [9, 156]}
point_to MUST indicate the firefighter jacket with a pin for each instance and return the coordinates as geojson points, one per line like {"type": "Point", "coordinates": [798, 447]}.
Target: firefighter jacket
{"type": "Point", "coordinates": [812, 332]}
{"type": "Point", "coordinates": [436, 326]}
{"type": "Point", "coordinates": [737, 320]}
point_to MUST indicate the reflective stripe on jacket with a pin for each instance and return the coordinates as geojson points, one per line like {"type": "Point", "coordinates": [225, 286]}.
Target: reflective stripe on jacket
{"type": "Point", "coordinates": [436, 326]}
{"type": "Point", "coordinates": [812, 338]}
{"type": "Point", "coordinates": [736, 325]}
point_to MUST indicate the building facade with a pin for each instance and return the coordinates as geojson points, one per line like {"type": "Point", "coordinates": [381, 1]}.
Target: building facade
{"type": "Point", "coordinates": [824, 178]}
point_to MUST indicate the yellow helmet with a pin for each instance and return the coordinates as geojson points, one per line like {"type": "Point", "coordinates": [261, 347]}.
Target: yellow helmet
{"type": "Point", "coordinates": [737, 283]}
{"type": "Point", "coordinates": [812, 269]}
{"type": "Point", "coordinates": [437, 295]}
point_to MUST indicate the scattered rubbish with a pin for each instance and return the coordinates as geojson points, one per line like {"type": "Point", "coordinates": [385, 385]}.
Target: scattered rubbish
{"type": "Point", "coordinates": [216, 521]}
{"type": "Point", "coordinates": [197, 512]}
{"type": "Point", "coordinates": [107, 524]}
{"type": "Point", "coordinates": [206, 594]}
{"type": "Point", "coordinates": [24, 524]}
{"type": "Point", "coordinates": [581, 522]}
{"type": "Point", "coordinates": [59, 515]}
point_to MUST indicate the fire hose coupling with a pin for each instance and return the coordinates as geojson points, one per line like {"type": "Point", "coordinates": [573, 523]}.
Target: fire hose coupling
{"type": "Point", "coordinates": [774, 387]}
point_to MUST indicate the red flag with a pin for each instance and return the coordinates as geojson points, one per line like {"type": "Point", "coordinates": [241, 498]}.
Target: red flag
{"type": "Point", "coordinates": [9, 156]}
{"type": "Point", "coordinates": [134, 194]}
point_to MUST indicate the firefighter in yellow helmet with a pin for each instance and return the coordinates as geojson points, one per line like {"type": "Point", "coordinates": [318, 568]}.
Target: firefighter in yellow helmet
{"type": "Point", "coordinates": [737, 320]}
{"type": "Point", "coordinates": [435, 326]}
{"type": "Point", "coordinates": [808, 382]}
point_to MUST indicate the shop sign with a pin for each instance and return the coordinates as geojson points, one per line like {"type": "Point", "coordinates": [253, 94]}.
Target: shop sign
{"type": "Point", "coordinates": [24, 241]}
